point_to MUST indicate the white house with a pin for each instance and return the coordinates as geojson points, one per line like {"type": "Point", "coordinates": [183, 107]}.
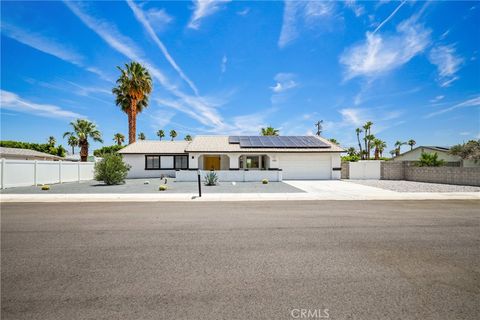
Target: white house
{"type": "Point", "coordinates": [443, 154]}
{"type": "Point", "coordinates": [236, 158]}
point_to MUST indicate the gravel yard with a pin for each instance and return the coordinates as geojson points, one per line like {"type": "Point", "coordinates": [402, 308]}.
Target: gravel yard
{"type": "Point", "coordinates": [413, 186]}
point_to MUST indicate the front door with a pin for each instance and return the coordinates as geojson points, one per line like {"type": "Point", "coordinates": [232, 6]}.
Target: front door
{"type": "Point", "coordinates": [211, 163]}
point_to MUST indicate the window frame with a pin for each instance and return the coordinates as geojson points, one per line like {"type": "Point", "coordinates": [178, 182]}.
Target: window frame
{"type": "Point", "coordinates": [166, 155]}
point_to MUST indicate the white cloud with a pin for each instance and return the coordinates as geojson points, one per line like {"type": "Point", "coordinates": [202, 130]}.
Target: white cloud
{"type": "Point", "coordinates": [474, 102]}
{"type": "Point", "coordinates": [243, 12]}
{"type": "Point", "coordinates": [359, 10]}
{"type": "Point", "coordinates": [379, 54]}
{"type": "Point", "coordinates": [202, 9]}
{"type": "Point", "coordinates": [140, 15]}
{"type": "Point", "coordinates": [284, 82]}
{"type": "Point", "coordinates": [306, 12]}
{"type": "Point", "coordinates": [161, 118]}
{"type": "Point", "coordinates": [447, 62]}
{"type": "Point", "coordinates": [12, 101]}
{"type": "Point", "coordinates": [437, 98]}
{"type": "Point", "coordinates": [49, 46]}
{"type": "Point", "coordinates": [159, 19]}
{"type": "Point", "coordinates": [223, 65]}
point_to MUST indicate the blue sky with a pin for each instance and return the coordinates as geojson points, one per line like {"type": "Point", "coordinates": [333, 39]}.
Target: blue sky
{"type": "Point", "coordinates": [232, 67]}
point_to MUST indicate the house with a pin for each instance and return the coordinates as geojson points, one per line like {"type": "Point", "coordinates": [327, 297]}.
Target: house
{"type": "Point", "coordinates": [236, 158]}
{"type": "Point", "coordinates": [443, 154]}
{"type": "Point", "coordinates": [25, 154]}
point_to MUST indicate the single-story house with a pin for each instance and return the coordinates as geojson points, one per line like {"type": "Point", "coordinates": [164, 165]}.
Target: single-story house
{"type": "Point", "coordinates": [443, 154]}
{"type": "Point", "coordinates": [236, 158]}
{"type": "Point", "coordinates": [25, 154]}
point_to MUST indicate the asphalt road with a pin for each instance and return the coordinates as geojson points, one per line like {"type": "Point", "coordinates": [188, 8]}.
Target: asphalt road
{"type": "Point", "coordinates": [358, 259]}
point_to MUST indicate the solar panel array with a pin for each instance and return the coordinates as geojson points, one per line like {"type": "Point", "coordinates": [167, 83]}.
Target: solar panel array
{"type": "Point", "coordinates": [277, 142]}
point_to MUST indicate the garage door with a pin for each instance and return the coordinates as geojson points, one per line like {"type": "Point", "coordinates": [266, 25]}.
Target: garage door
{"type": "Point", "coordinates": [305, 169]}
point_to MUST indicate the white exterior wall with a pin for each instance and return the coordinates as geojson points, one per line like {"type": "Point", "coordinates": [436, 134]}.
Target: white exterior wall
{"type": "Point", "coordinates": [18, 173]}
{"type": "Point", "coordinates": [365, 170]}
{"type": "Point", "coordinates": [231, 175]}
{"type": "Point", "coordinates": [414, 155]}
{"type": "Point", "coordinates": [137, 170]}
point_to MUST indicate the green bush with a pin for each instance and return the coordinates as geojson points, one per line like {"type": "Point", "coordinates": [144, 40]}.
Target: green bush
{"type": "Point", "coordinates": [111, 169]}
{"type": "Point", "coordinates": [162, 188]}
{"type": "Point", "coordinates": [106, 150]}
{"type": "Point", "coordinates": [211, 178]}
{"type": "Point", "coordinates": [351, 158]}
{"type": "Point", "coordinates": [40, 147]}
{"type": "Point", "coordinates": [430, 160]}
{"type": "Point", "coordinates": [265, 181]}
{"type": "Point", "coordinates": [45, 187]}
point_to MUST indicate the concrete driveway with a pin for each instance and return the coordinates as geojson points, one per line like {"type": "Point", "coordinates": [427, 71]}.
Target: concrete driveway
{"type": "Point", "coordinates": [241, 260]}
{"type": "Point", "coordinates": [336, 188]}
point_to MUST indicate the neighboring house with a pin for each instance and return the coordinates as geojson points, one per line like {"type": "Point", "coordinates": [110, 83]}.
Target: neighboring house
{"type": "Point", "coordinates": [443, 154]}
{"type": "Point", "coordinates": [25, 154]}
{"type": "Point", "coordinates": [76, 158]}
{"type": "Point", "coordinates": [236, 158]}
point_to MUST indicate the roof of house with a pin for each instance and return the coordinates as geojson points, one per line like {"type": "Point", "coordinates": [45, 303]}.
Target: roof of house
{"type": "Point", "coordinates": [152, 146]}
{"type": "Point", "coordinates": [25, 153]}
{"type": "Point", "coordinates": [435, 148]}
{"type": "Point", "coordinates": [221, 144]}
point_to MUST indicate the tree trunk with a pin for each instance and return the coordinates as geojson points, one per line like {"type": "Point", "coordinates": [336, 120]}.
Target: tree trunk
{"type": "Point", "coordinates": [132, 122]}
{"type": "Point", "coordinates": [359, 145]}
{"type": "Point", "coordinates": [84, 151]}
{"type": "Point", "coordinates": [73, 150]}
{"type": "Point", "coordinates": [376, 154]}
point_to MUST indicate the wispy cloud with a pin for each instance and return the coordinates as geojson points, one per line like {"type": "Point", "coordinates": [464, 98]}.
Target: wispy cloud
{"type": "Point", "coordinates": [437, 98]}
{"type": "Point", "coordinates": [358, 9]}
{"type": "Point", "coordinates": [389, 17]}
{"type": "Point", "coordinates": [379, 54]}
{"type": "Point", "coordinates": [202, 9]}
{"type": "Point", "coordinates": [14, 102]}
{"type": "Point", "coordinates": [284, 82]}
{"type": "Point", "coordinates": [159, 19]}
{"type": "Point", "coordinates": [474, 102]}
{"type": "Point", "coordinates": [49, 46]}
{"type": "Point", "coordinates": [306, 12]}
{"type": "Point", "coordinates": [140, 15]}
{"type": "Point", "coordinates": [447, 62]}
{"type": "Point", "coordinates": [161, 118]}
{"type": "Point", "coordinates": [223, 65]}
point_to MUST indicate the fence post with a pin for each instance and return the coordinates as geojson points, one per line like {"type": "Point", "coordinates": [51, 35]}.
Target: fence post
{"type": "Point", "coordinates": [60, 171]}
{"type": "Point", "coordinates": [35, 173]}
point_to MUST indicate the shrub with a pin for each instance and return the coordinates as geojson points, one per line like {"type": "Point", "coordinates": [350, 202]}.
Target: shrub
{"type": "Point", "coordinates": [106, 150]}
{"type": "Point", "coordinates": [162, 188]}
{"type": "Point", "coordinates": [265, 181]}
{"type": "Point", "coordinates": [351, 158]}
{"type": "Point", "coordinates": [45, 187]}
{"type": "Point", "coordinates": [111, 169]}
{"type": "Point", "coordinates": [40, 147]}
{"type": "Point", "coordinates": [430, 160]}
{"type": "Point", "coordinates": [211, 178]}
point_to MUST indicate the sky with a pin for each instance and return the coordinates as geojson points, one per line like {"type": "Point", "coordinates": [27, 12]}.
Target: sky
{"type": "Point", "coordinates": [233, 67]}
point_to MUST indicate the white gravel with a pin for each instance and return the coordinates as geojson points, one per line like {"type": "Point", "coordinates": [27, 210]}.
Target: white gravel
{"type": "Point", "coordinates": [413, 186]}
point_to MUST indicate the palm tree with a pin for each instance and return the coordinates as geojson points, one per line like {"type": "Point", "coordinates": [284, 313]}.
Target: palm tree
{"type": "Point", "coordinates": [351, 151]}
{"type": "Point", "coordinates": [393, 152]}
{"type": "Point", "coordinates": [51, 140]}
{"type": "Point", "coordinates": [161, 134]}
{"type": "Point", "coordinates": [398, 145]}
{"type": "Point", "coordinates": [332, 140]}
{"type": "Point", "coordinates": [269, 131]}
{"type": "Point", "coordinates": [73, 142]}
{"type": "Point", "coordinates": [379, 147]}
{"type": "Point", "coordinates": [411, 143]}
{"type": "Point", "coordinates": [173, 134]}
{"type": "Point", "coordinates": [358, 131]}
{"type": "Point", "coordinates": [367, 127]}
{"type": "Point", "coordinates": [119, 138]}
{"type": "Point", "coordinates": [132, 90]}
{"type": "Point", "coordinates": [82, 130]}
{"type": "Point", "coordinates": [370, 139]}
{"type": "Point", "coordinates": [141, 136]}
{"type": "Point", "coordinates": [188, 137]}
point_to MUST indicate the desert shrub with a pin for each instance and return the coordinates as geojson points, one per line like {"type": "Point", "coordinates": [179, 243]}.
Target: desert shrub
{"type": "Point", "coordinates": [211, 178]}
{"type": "Point", "coordinates": [45, 187]}
{"type": "Point", "coordinates": [111, 169]}
{"type": "Point", "coordinates": [351, 158]}
{"type": "Point", "coordinates": [106, 150]}
{"type": "Point", "coordinates": [162, 188]}
{"type": "Point", "coordinates": [265, 181]}
{"type": "Point", "coordinates": [429, 160]}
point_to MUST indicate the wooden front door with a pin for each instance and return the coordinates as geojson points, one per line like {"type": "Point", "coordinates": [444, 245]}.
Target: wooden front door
{"type": "Point", "coordinates": [211, 163]}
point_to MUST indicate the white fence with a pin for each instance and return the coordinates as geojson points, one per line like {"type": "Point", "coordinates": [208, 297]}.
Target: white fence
{"type": "Point", "coordinates": [231, 175]}
{"type": "Point", "coordinates": [17, 173]}
{"type": "Point", "coordinates": [365, 169]}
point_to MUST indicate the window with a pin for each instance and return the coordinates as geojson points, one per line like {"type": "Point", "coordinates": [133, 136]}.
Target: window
{"type": "Point", "coordinates": [152, 162]}
{"type": "Point", "coordinates": [253, 162]}
{"type": "Point", "coordinates": [181, 162]}
{"type": "Point", "coordinates": [166, 162]}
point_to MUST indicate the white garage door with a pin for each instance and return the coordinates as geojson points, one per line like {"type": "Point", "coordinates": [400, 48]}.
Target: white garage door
{"type": "Point", "coordinates": [305, 168]}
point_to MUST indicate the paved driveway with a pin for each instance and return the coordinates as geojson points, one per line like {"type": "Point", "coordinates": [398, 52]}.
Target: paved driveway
{"type": "Point", "coordinates": [248, 260]}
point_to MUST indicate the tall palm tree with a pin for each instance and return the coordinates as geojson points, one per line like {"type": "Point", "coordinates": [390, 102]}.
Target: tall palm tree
{"type": "Point", "coordinates": [351, 151]}
{"type": "Point", "coordinates": [411, 143]}
{"type": "Point", "coordinates": [132, 90]}
{"type": "Point", "coordinates": [51, 140]}
{"type": "Point", "coordinates": [119, 138]}
{"type": "Point", "coordinates": [73, 142]}
{"type": "Point", "coordinates": [370, 139]}
{"type": "Point", "coordinates": [141, 136]}
{"type": "Point", "coordinates": [379, 147]}
{"type": "Point", "coordinates": [393, 152]}
{"type": "Point", "coordinates": [269, 131]}
{"type": "Point", "coordinates": [188, 137]}
{"type": "Point", "coordinates": [173, 134]}
{"type": "Point", "coordinates": [367, 127]}
{"type": "Point", "coordinates": [358, 131]}
{"type": "Point", "coordinates": [398, 145]}
{"type": "Point", "coordinates": [382, 147]}
{"type": "Point", "coordinates": [332, 140]}
{"type": "Point", "coordinates": [161, 134]}
{"type": "Point", "coordinates": [82, 130]}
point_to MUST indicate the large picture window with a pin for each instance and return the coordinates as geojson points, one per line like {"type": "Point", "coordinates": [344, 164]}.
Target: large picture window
{"type": "Point", "coordinates": [166, 162]}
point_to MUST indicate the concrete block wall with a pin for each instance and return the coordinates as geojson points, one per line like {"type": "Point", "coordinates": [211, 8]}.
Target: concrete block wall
{"type": "Point", "coordinates": [392, 170]}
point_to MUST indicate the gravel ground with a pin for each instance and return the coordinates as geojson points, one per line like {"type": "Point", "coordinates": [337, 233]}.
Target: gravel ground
{"type": "Point", "coordinates": [413, 186]}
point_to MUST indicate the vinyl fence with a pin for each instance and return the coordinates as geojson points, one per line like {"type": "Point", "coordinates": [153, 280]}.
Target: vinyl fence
{"type": "Point", "coordinates": [364, 169]}
{"type": "Point", "coordinates": [17, 173]}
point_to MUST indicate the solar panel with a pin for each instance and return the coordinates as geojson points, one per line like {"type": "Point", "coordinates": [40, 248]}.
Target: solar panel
{"type": "Point", "coordinates": [277, 142]}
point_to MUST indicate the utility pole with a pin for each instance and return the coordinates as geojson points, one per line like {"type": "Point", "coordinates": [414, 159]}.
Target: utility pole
{"type": "Point", "coordinates": [319, 127]}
